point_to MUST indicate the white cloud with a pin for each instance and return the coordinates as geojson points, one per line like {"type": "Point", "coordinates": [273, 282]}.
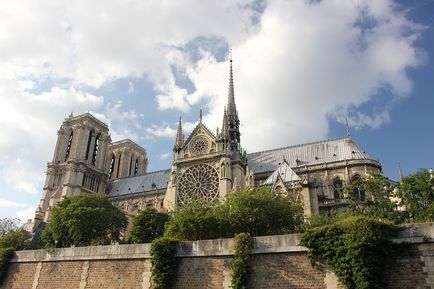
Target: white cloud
{"type": "Point", "coordinates": [163, 130]}
{"type": "Point", "coordinates": [308, 61]}
{"type": "Point", "coordinates": [8, 203]}
{"type": "Point", "coordinates": [130, 87]}
{"type": "Point", "coordinates": [165, 156]}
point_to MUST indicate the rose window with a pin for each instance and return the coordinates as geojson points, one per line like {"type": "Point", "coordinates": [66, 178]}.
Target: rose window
{"type": "Point", "coordinates": [198, 182]}
{"type": "Point", "coordinates": [199, 145]}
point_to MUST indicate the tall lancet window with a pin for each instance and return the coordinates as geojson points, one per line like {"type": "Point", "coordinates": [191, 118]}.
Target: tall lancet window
{"type": "Point", "coordinates": [119, 165]}
{"type": "Point", "coordinates": [88, 144]}
{"type": "Point", "coordinates": [131, 166]}
{"type": "Point", "coordinates": [95, 150]}
{"type": "Point", "coordinates": [136, 167]}
{"type": "Point", "coordinates": [68, 147]}
{"type": "Point", "coordinates": [112, 166]}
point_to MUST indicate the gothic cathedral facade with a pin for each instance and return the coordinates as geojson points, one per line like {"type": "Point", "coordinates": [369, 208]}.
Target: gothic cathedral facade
{"type": "Point", "coordinates": [205, 166]}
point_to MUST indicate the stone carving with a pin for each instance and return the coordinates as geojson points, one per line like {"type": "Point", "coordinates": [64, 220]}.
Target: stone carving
{"type": "Point", "coordinates": [200, 181]}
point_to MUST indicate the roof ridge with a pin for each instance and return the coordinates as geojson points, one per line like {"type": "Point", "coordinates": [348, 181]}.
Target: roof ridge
{"type": "Point", "coordinates": [300, 145]}
{"type": "Point", "coordinates": [136, 176]}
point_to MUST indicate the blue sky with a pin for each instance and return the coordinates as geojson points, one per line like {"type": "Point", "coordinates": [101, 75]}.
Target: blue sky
{"type": "Point", "coordinates": [301, 67]}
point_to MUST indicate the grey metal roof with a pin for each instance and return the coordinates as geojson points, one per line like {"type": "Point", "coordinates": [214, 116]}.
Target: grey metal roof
{"type": "Point", "coordinates": [149, 182]}
{"type": "Point", "coordinates": [285, 172]}
{"type": "Point", "coordinates": [309, 154]}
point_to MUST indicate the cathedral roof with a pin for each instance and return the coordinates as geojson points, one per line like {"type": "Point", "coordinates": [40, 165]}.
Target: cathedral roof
{"type": "Point", "coordinates": [315, 153]}
{"type": "Point", "coordinates": [285, 172]}
{"type": "Point", "coordinates": [146, 183]}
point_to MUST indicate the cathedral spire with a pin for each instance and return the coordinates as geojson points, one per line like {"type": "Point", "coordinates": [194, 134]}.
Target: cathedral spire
{"type": "Point", "coordinates": [179, 142]}
{"type": "Point", "coordinates": [232, 113]}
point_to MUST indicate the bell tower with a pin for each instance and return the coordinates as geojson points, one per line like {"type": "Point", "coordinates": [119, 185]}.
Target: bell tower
{"type": "Point", "coordinates": [79, 162]}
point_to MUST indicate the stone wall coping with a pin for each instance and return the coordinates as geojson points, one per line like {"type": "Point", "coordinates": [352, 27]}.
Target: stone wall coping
{"type": "Point", "coordinates": [202, 248]}
{"type": "Point", "coordinates": [418, 233]}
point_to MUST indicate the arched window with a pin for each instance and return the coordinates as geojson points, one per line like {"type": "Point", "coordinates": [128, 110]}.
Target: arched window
{"type": "Point", "coordinates": [88, 143]}
{"type": "Point", "coordinates": [112, 166]}
{"type": "Point", "coordinates": [358, 190]}
{"type": "Point", "coordinates": [131, 166]}
{"type": "Point", "coordinates": [95, 150]}
{"type": "Point", "coordinates": [68, 147]}
{"type": "Point", "coordinates": [337, 188]}
{"type": "Point", "coordinates": [136, 167]}
{"type": "Point", "coordinates": [119, 166]}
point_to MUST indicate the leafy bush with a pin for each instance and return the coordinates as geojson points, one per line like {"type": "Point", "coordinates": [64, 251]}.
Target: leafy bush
{"type": "Point", "coordinates": [193, 221]}
{"type": "Point", "coordinates": [354, 247]}
{"type": "Point", "coordinates": [257, 212]}
{"type": "Point", "coordinates": [147, 226]}
{"type": "Point", "coordinates": [240, 266]}
{"type": "Point", "coordinates": [163, 261]}
{"type": "Point", "coordinates": [5, 256]}
{"type": "Point", "coordinates": [16, 240]}
{"type": "Point", "coordinates": [84, 220]}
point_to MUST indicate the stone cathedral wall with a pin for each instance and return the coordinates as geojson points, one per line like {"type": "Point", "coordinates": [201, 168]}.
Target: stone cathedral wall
{"type": "Point", "coordinates": [277, 263]}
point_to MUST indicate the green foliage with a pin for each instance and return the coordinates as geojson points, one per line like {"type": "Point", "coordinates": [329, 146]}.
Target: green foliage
{"type": "Point", "coordinates": [371, 195]}
{"type": "Point", "coordinates": [260, 212]}
{"type": "Point", "coordinates": [193, 221]}
{"type": "Point", "coordinates": [240, 266]}
{"type": "Point", "coordinates": [164, 264]}
{"type": "Point", "coordinates": [257, 212]}
{"type": "Point", "coordinates": [5, 256]}
{"type": "Point", "coordinates": [8, 225]}
{"type": "Point", "coordinates": [355, 247]}
{"type": "Point", "coordinates": [417, 195]}
{"type": "Point", "coordinates": [147, 226]}
{"type": "Point", "coordinates": [84, 220]}
{"type": "Point", "coordinates": [16, 240]}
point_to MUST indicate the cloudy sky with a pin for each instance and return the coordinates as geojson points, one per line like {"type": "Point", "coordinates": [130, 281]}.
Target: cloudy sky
{"type": "Point", "coordinates": [301, 67]}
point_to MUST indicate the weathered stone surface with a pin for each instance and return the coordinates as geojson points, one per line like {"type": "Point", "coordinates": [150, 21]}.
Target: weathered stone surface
{"type": "Point", "coordinates": [277, 262]}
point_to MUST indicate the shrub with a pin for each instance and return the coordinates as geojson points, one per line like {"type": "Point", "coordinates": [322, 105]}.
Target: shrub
{"type": "Point", "coordinates": [354, 247]}
{"type": "Point", "coordinates": [5, 256]}
{"type": "Point", "coordinates": [240, 266]}
{"type": "Point", "coordinates": [147, 226]}
{"type": "Point", "coordinates": [163, 261]}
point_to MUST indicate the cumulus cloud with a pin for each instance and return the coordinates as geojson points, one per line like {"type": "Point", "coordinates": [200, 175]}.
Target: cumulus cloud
{"type": "Point", "coordinates": [308, 61]}
{"type": "Point", "coordinates": [8, 203]}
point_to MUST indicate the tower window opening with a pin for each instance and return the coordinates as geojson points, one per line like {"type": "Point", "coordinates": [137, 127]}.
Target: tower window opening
{"type": "Point", "coordinates": [112, 166]}
{"type": "Point", "coordinates": [68, 147]}
{"type": "Point", "coordinates": [136, 167]}
{"type": "Point", "coordinates": [131, 166]}
{"type": "Point", "coordinates": [95, 150]}
{"type": "Point", "coordinates": [88, 144]}
{"type": "Point", "coordinates": [119, 166]}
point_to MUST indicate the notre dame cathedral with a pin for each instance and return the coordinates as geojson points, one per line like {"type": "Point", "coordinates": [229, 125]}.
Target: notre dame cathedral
{"type": "Point", "coordinates": [205, 165]}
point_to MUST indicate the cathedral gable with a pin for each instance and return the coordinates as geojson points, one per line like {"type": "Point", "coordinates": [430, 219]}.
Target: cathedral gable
{"type": "Point", "coordinates": [200, 142]}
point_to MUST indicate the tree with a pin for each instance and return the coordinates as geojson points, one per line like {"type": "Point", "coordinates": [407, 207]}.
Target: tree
{"type": "Point", "coordinates": [416, 192]}
{"type": "Point", "coordinates": [195, 220]}
{"type": "Point", "coordinates": [260, 212]}
{"type": "Point", "coordinates": [147, 226]}
{"type": "Point", "coordinates": [373, 195]}
{"type": "Point", "coordinates": [19, 239]}
{"type": "Point", "coordinates": [257, 212]}
{"type": "Point", "coordinates": [84, 220]}
{"type": "Point", "coordinates": [8, 225]}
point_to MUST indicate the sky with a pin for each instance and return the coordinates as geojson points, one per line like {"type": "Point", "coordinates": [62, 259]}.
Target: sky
{"type": "Point", "coordinates": [301, 68]}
